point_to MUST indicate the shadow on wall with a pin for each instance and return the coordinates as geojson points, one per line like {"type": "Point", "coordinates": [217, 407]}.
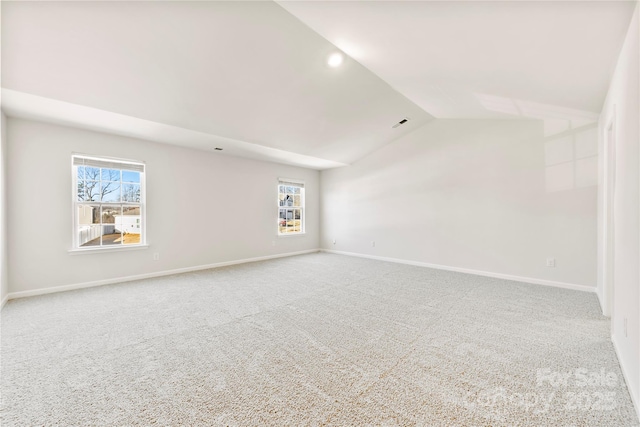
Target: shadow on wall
{"type": "Point", "coordinates": [571, 140]}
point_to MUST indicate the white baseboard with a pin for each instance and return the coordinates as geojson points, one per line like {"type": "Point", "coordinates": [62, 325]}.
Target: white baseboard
{"type": "Point", "coordinates": [544, 282]}
{"type": "Point", "coordinates": [635, 399]}
{"type": "Point", "coordinates": [43, 291]}
{"type": "Point", "coordinates": [600, 300]}
{"type": "Point", "coordinates": [4, 301]}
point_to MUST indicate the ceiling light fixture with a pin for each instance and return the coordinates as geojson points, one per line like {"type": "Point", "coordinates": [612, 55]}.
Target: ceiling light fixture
{"type": "Point", "coordinates": [335, 60]}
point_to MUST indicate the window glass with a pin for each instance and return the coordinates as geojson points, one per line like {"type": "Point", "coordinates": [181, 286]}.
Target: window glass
{"type": "Point", "coordinates": [290, 207]}
{"type": "Point", "coordinates": [109, 202]}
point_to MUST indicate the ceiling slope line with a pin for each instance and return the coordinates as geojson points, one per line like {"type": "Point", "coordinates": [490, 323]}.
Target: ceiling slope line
{"type": "Point", "coordinates": [32, 107]}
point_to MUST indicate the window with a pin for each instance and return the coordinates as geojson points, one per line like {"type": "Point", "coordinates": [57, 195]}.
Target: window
{"type": "Point", "coordinates": [108, 206]}
{"type": "Point", "coordinates": [290, 207]}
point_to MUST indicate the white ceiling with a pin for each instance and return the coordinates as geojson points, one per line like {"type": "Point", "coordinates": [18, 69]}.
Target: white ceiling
{"type": "Point", "coordinates": [251, 77]}
{"type": "Point", "coordinates": [450, 56]}
{"type": "Point", "coordinates": [245, 71]}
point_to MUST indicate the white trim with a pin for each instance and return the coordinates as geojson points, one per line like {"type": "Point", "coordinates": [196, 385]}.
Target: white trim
{"type": "Point", "coordinates": [114, 159]}
{"type": "Point", "coordinates": [101, 249]}
{"type": "Point", "coordinates": [634, 399]}
{"type": "Point", "coordinates": [608, 226]}
{"type": "Point", "coordinates": [291, 180]}
{"type": "Point", "coordinates": [43, 291]}
{"type": "Point", "coordinates": [4, 301]}
{"type": "Point", "coordinates": [575, 287]}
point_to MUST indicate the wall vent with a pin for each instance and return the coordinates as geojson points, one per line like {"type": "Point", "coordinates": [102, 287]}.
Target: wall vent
{"type": "Point", "coordinates": [401, 122]}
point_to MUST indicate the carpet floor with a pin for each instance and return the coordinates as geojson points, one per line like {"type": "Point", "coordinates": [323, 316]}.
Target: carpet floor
{"type": "Point", "coordinates": [316, 339]}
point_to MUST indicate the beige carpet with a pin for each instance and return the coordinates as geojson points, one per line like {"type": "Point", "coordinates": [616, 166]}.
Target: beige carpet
{"type": "Point", "coordinates": [312, 340]}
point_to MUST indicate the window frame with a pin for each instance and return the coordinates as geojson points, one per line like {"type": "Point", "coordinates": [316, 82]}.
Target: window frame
{"type": "Point", "coordinates": [75, 203]}
{"type": "Point", "coordinates": [296, 183]}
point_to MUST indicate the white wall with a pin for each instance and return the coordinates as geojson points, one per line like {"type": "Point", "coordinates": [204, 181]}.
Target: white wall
{"type": "Point", "coordinates": [623, 97]}
{"type": "Point", "coordinates": [485, 195]}
{"type": "Point", "coordinates": [202, 207]}
{"type": "Point", "coordinates": [4, 264]}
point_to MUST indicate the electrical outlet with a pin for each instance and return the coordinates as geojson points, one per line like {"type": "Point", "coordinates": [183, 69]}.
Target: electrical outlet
{"type": "Point", "coordinates": [373, 244]}
{"type": "Point", "coordinates": [156, 256]}
{"type": "Point", "coordinates": [624, 329]}
{"type": "Point", "coordinates": [551, 262]}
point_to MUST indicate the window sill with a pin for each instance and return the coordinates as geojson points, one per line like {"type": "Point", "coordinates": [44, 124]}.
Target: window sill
{"type": "Point", "coordinates": [291, 234]}
{"type": "Point", "coordinates": [107, 249]}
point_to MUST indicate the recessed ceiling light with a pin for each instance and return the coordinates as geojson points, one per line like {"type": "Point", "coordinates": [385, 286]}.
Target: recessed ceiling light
{"type": "Point", "coordinates": [335, 60]}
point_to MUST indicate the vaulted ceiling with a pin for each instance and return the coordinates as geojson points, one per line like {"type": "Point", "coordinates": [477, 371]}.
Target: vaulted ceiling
{"type": "Point", "coordinates": [453, 57]}
{"type": "Point", "coordinates": [252, 77]}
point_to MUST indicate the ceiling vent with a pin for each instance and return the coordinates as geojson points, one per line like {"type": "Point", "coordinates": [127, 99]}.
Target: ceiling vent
{"type": "Point", "coordinates": [401, 122]}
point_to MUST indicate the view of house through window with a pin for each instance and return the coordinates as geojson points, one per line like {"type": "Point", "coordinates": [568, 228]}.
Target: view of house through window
{"type": "Point", "coordinates": [109, 202]}
{"type": "Point", "coordinates": [290, 207]}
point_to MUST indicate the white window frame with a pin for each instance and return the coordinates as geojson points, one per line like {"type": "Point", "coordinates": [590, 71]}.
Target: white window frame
{"type": "Point", "coordinates": [117, 163]}
{"type": "Point", "coordinates": [296, 183]}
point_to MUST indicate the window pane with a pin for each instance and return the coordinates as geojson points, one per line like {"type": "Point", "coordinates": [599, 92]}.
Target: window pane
{"type": "Point", "coordinates": [289, 221]}
{"type": "Point", "coordinates": [295, 223]}
{"type": "Point", "coordinates": [129, 176]}
{"type": "Point", "coordinates": [131, 238]}
{"type": "Point", "coordinates": [89, 191]}
{"type": "Point", "coordinates": [282, 222]}
{"type": "Point", "coordinates": [91, 174]}
{"type": "Point", "coordinates": [296, 190]}
{"type": "Point", "coordinates": [110, 213]}
{"type": "Point", "coordinates": [110, 191]}
{"type": "Point", "coordinates": [89, 235]}
{"type": "Point", "coordinates": [80, 191]}
{"type": "Point", "coordinates": [111, 175]}
{"type": "Point", "coordinates": [296, 200]}
{"type": "Point", "coordinates": [129, 223]}
{"type": "Point", "coordinates": [88, 214]}
{"type": "Point", "coordinates": [131, 193]}
{"type": "Point", "coordinates": [80, 173]}
{"type": "Point", "coordinates": [110, 235]}
{"type": "Point", "coordinates": [131, 210]}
